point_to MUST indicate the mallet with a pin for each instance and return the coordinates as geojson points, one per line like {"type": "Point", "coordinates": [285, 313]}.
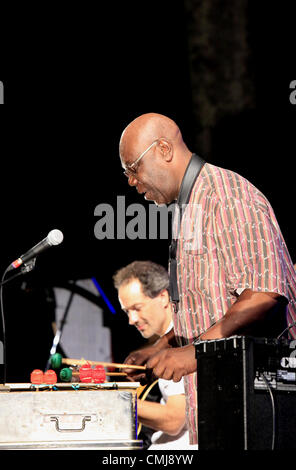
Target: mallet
{"type": "Point", "coordinates": [57, 360]}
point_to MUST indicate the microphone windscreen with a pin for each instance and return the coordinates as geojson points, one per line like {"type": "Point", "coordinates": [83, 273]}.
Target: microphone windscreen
{"type": "Point", "coordinates": [55, 237]}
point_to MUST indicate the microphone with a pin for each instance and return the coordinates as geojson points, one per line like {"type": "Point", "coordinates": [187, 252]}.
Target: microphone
{"type": "Point", "coordinates": [55, 237]}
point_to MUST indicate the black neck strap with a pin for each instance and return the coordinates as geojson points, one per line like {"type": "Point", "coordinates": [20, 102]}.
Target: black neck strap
{"type": "Point", "coordinates": [192, 171]}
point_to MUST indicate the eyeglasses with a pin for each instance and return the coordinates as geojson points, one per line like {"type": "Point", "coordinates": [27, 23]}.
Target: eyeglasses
{"type": "Point", "coordinates": [131, 170]}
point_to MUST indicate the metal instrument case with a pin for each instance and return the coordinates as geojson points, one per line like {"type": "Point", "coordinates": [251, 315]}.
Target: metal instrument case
{"type": "Point", "coordinates": [101, 416]}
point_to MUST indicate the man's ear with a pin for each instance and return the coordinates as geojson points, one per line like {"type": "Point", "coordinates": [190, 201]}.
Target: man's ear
{"type": "Point", "coordinates": [166, 149]}
{"type": "Point", "coordinates": [164, 296]}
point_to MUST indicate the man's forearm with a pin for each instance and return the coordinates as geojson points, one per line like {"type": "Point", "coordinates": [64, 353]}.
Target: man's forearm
{"type": "Point", "coordinates": [250, 308]}
{"type": "Point", "coordinates": [169, 419]}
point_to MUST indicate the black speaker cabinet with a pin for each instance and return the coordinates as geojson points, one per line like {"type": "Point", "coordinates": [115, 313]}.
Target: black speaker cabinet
{"type": "Point", "coordinates": [246, 394]}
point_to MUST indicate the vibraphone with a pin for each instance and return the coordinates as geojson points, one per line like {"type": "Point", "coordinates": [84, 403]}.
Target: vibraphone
{"type": "Point", "coordinates": [69, 416]}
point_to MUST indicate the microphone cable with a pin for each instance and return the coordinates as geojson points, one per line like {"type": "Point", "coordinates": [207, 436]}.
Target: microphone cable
{"type": "Point", "coordinates": [3, 326]}
{"type": "Point", "coordinates": [26, 268]}
{"type": "Point", "coordinates": [286, 329]}
{"type": "Point", "coordinates": [272, 409]}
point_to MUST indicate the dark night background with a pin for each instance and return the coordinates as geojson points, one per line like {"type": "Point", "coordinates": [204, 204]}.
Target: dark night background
{"type": "Point", "coordinates": [74, 77]}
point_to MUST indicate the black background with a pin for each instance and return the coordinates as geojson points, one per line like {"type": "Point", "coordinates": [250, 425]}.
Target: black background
{"type": "Point", "coordinates": [74, 77]}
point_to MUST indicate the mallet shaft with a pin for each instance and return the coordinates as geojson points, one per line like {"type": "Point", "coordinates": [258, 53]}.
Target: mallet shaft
{"type": "Point", "coordinates": [81, 362]}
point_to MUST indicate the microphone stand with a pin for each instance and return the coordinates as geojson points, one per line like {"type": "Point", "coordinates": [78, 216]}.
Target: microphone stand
{"type": "Point", "coordinates": [26, 268]}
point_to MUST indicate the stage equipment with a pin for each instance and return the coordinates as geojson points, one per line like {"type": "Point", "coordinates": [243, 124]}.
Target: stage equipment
{"type": "Point", "coordinates": [69, 416]}
{"type": "Point", "coordinates": [246, 393]}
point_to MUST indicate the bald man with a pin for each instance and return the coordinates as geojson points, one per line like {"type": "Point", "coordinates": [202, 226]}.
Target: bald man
{"type": "Point", "coordinates": [230, 270]}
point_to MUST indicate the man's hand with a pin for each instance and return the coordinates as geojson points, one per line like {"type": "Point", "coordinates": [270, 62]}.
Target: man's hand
{"type": "Point", "coordinates": [174, 363]}
{"type": "Point", "coordinates": [141, 356]}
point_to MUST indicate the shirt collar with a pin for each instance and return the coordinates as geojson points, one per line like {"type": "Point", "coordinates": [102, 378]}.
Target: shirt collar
{"type": "Point", "coordinates": [171, 325]}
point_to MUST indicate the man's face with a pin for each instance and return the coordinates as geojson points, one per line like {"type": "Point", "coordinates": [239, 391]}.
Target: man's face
{"type": "Point", "coordinates": [148, 315]}
{"type": "Point", "coordinates": [151, 177]}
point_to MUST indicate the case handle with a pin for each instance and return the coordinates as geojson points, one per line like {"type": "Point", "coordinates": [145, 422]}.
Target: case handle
{"type": "Point", "coordinates": [57, 425]}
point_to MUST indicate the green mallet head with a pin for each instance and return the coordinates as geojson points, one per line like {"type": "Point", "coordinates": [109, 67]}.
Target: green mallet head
{"type": "Point", "coordinates": [66, 374]}
{"type": "Point", "coordinates": [56, 360]}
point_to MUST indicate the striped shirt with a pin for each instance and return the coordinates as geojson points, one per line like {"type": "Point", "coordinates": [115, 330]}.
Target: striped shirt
{"type": "Point", "coordinates": [228, 240]}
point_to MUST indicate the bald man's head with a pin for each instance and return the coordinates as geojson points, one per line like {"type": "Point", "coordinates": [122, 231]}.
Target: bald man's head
{"type": "Point", "coordinates": [161, 171]}
{"type": "Point", "coordinates": [147, 128]}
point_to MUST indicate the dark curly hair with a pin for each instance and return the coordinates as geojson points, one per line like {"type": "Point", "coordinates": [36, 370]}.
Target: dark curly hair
{"type": "Point", "coordinates": [152, 276]}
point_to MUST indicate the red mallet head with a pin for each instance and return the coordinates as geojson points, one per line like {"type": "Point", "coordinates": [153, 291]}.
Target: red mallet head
{"type": "Point", "coordinates": [36, 377]}
{"type": "Point", "coordinates": [99, 375]}
{"type": "Point", "coordinates": [85, 373]}
{"type": "Point", "coordinates": [50, 377]}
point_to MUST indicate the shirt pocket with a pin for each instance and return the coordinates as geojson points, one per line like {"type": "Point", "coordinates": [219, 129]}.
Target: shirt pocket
{"type": "Point", "coordinates": [192, 234]}
{"type": "Point", "coordinates": [199, 251]}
